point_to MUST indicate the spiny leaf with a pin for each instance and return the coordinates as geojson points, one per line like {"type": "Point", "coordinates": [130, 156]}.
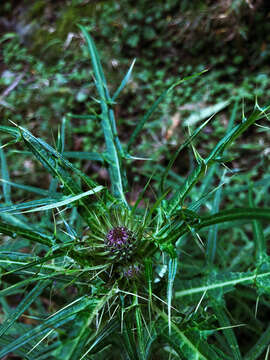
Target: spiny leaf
{"type": "Point", "coordinates": [218, 283]}
{"type": "Point", "coordinates": [113, 145]}
{"type": "Point", "coordinates": [35, 236]}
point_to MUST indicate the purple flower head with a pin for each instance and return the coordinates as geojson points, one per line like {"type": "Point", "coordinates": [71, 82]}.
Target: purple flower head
{"type": "Point", "coordinates": [120, 241]}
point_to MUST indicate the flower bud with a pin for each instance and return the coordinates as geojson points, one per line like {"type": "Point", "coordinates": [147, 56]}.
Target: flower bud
{"type": "Point", "coordinates": [120, 241]}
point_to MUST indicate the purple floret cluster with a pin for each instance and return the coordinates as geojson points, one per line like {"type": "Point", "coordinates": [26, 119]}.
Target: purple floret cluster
{"type": "Point", "coordinates": [120, 241]}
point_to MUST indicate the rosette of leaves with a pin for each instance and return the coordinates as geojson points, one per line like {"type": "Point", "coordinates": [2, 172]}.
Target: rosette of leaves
{"type": "Point", "coordinates": [96, 277]}
{"type": "Point", "coordinates": [116, 236]}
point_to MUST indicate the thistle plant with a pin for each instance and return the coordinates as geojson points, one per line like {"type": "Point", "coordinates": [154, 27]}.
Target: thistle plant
{"type": "Point", "coordinates": [99, 277]}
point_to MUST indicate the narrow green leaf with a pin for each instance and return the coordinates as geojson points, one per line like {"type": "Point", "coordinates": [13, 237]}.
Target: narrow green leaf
{"type": "Point", "coordinates": [124, 81]}
{"type": "Point", "coordinates": [235, 133]}
{"type": "Point", "coordinates": [11, 131]}
{"type": "Point", "coordinates": [128, 343]}
{"type": "Point", "coordinates": [34, 236]}
{"type": "Point", "coordinates": [27, 265]}
{"type": "Point", "coordinates": [67, 314]}
{"type": "Point", "coordinates": [140, 197]}
{"type": "Point", "coordinates": [149, 279]}
{"type": "Point", "coordinates": [172, 269]}
{"type": "Point", "coordinates": [26, 187]}
{"type": "Point", "coordinates": [113, 155]}
{"type": "Point", "coordinates": [5, 176]}
{"type": "Point", "coordinates": [24, 305]}
{"type": "Point", "coordinates": [219, 149]}
{"type": "Point", "coordinates": [84, 155]}
{"type": "Point", "coordinates": [183, 190]}
{"type": "Point", "coordinates": [59, 167]}
{"type": "Point", "coordinates": [67, 201]}
{"type": "Point", "coordinates": [139, 329]}
{"type": "Point", "coordinates": [213, 231]}
{"type": "Point", "coordinates": [141, 123]}
{"type": "Point", "coordinates": [83, 117]}
{"type": "Point", "coordinates": [223, 281]}
{"type": "Point", "coordinates": [224, 322]}
{"type": "Point", "coordinates": [28, 204]}
{"type": "Point", "coordinates": [97, 339]}
{"type": "Point", "coordinates": [182, 147]}
{"type": "Point", "coordinates": [74, 352]}
{"type": "Point", "coordinates": [260, 346]}
{"type": "Point", "coordinates": [259, 238]}
{"type": "Point", "coordinates": [234, 214]}
{"type": "Point", "coordinates": [190, 346]}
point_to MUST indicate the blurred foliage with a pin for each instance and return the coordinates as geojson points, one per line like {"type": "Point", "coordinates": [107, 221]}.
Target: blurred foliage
{"type": "Point", "coordinates": [42, 56]}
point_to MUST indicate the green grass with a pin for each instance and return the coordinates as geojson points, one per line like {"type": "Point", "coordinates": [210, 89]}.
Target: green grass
{"type": "Point", "coordinates": [194, 281]}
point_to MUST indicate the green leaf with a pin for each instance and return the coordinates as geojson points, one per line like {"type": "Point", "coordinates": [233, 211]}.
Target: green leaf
{"type": "Point", "coordinates": [26, 187]}
{"type": "Point", "coordinates": [260, 346]}
{"type": "Point", "coordinates": [216, 284]}
{"type": "Point", "coordinates": [259, 238]}
{"type": "Point", "coordinates": [103, 335]}
{"type": "Point", "coordinates": [213, 231]}
{"type": "Point", "coordinates": [5, 176]}
{"type": "Point", "coordinates": [31, 235]}
{"type": "Point", "coordinates": [9, 259]}
{"type": "Point", "coordinates": [59, 167]}
{"type": "Point", "coordinates": [183, 190]}
{"type": "Point", "coordinates": [200, 170]}
{"type": "Point", "coordinates": [24, 305]}
{"type": "Point", "coordinates": [124, 81]}
{"type": "Point", "coordinates": [224, 322]}
{"type": "Point", "coordinates": [67, 201]}
{"type": "Point", "coordinates": [113, 146]}
{"type": "Point", "coordinates": [67, 314]}
{"type": "Point", "coordinates": [29, 204]}
{"type": "Point", "coordinates": [238, 130]}
{"type": "Point", "coordinates": [84, 155]}
{"type": "Point", "coordinates": [141, 123]}
{"type": "Point", "coordinates": [11, 131]}
{"type": "Point", "coordinates": [77, 348]}
{"type": "Point", "coordinates": [234, 214]}
{"type": "Point", "coordinates": [187, 343]}
{"type": "Point", "coordinates": [172, 269]}
{"type": "Point", "coordinates": [182, 147]}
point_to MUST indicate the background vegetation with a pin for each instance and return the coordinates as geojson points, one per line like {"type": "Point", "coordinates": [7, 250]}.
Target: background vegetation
{"type": "Point", "coordinates": [42, 57]}
{"type": "Point", "coordinates": [47, 86]}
